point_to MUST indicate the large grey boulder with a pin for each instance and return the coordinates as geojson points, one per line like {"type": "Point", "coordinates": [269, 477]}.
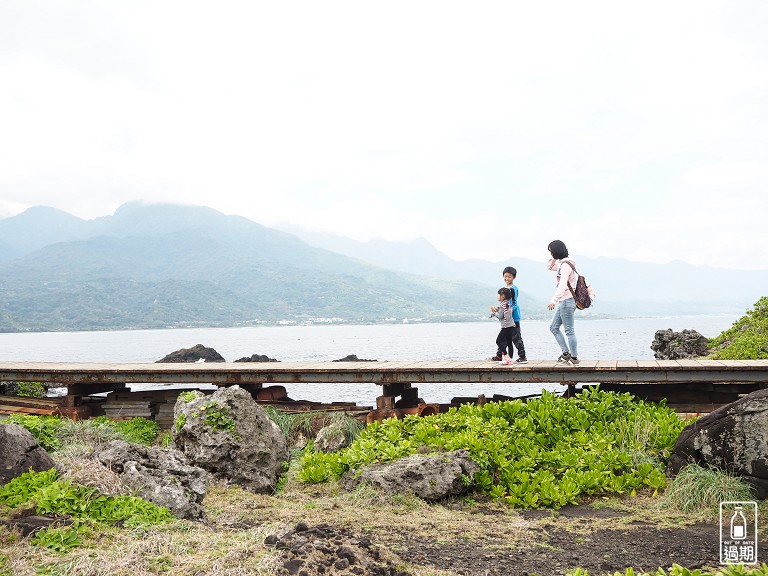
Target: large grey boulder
{"type": "Point", "coordinates": [230, 435]}
{"type": "Point", "coordinates": [670, 345]}
{"type": "Point", "coordinates": [20, 453]}
{"type": "Point", "coordinates": [431, 477]}
{"type": "Point", "coordinates": [733, 438]}
{"type": "Point", "coordinates": [159, 475]}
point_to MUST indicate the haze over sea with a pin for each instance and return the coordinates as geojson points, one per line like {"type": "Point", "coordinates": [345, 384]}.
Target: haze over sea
{"type": "Point", "coordinates": [608, 339]}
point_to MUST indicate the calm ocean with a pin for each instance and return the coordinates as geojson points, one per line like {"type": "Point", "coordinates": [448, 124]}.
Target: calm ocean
{"type": "Point", "coordinates": [598, 339]}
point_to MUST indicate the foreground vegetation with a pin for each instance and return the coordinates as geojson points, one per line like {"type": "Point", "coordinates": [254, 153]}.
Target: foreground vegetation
{"type": "Point", "coordinates": [547, 452]}
{"type": "Point", "coordinates": [231, 542]}
{"type": "Point", "coordinates": [603, 451]}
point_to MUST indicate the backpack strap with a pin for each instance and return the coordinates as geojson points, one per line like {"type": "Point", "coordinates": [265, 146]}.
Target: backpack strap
{"type": "Point", "coordinates": [573, 293]}
{"type": "Point", "coordinates": [571, 265]}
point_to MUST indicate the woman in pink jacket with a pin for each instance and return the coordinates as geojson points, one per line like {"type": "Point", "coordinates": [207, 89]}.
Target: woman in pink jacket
{"type": "Point", "coordinates": [563, 303]}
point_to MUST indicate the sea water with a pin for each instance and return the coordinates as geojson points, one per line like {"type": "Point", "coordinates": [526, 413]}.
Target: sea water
{"type": "Point", "coordinates": [605, 339]}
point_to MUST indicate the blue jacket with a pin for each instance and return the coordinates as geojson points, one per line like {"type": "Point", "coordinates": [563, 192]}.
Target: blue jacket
{"type": "Point", "coordinates": [515, 307]}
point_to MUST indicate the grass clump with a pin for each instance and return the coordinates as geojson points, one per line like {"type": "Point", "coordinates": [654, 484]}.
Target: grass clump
{"type": "Point", "coordinates": [697, 488]}
{"type": "Point", "coordinates": [189, 396]}
{"type": "Point", "coordinates": [54, 433]}
{"type": "Point", "coordinates": [307, 424]}
{"type": "Point", "coordinates": [747, 339]}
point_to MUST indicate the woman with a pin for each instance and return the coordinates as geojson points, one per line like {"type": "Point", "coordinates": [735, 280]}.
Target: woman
{"type": "Point", "coordinates": [563, 303]}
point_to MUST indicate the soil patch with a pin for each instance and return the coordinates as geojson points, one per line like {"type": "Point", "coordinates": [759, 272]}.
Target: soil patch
{"type": "Point", "coordinates": [323, 549]}
{"type": "Point", "coordinates": [557, 551]}
{"type": "Point", "coordinates": [543, 546]}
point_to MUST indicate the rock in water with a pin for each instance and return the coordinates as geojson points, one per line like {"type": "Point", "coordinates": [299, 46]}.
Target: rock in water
{"type": "Point", "coordinates": [196, 353]}
{"type": "Point", "coordinates": [669, 345]}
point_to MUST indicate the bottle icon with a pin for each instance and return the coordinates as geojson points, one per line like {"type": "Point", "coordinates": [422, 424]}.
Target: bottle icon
{"type": "Point", "coordinates": [738, 525]}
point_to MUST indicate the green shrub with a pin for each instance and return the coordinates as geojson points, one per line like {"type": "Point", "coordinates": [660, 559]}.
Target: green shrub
{"type": "Point", "coordinates": [59, 538]}
{"type": "Point", "coordinates": [43, 428]}
{"type": "Point", "coordinates": [139, 430]}
{"type": "Point", "coordinates": [217, 417]}
{"type": "Point", "coordinates": [63, 498]}
{"type": "Point", "coordinates": [31, 389]}
{"type": "Point", "coordinates": [747, 339]}
{"type": "Point", "coordinates": [547, 452]}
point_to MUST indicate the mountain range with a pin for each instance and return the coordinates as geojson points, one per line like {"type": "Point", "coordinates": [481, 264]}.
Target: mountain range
{"type": "Point", "coordinates": [624, 288]}
{"type": "Point", "coordinates": [159, 266]}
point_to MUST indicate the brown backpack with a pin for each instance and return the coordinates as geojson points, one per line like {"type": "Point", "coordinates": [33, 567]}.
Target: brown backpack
{"type": "Point", "coordinates": [581, 291]}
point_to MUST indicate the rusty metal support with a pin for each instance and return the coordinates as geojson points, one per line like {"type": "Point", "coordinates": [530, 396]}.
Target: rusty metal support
{"type": "Point", "coordinates": [422, 410]}
{"type": "Point", "coordinates": [409, 403]}
{"type": "Point", "coordinates": [385, 408]}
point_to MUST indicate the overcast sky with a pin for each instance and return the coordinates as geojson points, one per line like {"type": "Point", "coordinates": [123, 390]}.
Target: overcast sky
{"type": "Point", "coordinates": [626, 129]}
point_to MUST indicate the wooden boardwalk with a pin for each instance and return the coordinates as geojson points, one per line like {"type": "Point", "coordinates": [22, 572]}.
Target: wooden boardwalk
{"type": "Point", "coordinates": [399, 379]}
{"type": "Point", "coordinates": [90, 376]}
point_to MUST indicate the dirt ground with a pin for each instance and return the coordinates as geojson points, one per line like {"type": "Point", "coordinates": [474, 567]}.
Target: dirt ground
{"type": "Point", "coordinates": [489, 539]}
{"type": "Point", "coordinates": [553, 545]}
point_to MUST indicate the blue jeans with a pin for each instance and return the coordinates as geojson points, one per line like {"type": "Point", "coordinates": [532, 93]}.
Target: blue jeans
{"type": "Point", "coordinates": [564, 313]}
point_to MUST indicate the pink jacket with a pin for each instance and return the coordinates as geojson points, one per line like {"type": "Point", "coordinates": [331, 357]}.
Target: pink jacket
{"type": "Point", "coordinates": [565, 274]}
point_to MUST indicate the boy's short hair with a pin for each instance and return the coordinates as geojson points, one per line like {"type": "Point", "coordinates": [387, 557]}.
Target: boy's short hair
{"type": "Point", "coordinates": [505, 292]}
{"type": "Point", "coordinates": [509, 270]}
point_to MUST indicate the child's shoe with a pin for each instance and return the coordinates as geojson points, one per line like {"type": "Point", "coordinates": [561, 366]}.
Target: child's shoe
{"type": "Point", "coordinates": [506, 360]}
{"type": "Point", "coordinates": [521, 360]}
{"type": "Point", "coordinates": [496, 358]}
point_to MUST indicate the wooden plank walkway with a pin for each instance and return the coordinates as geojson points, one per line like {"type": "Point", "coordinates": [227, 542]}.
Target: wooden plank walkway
{"type": "Point", "coordinates": [94, 377]}
{"type": "Point", "coordinates": [690, 386]}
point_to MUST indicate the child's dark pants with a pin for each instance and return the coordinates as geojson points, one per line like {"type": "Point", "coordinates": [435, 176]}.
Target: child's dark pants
{"type": "Point", "coordinates": [515, 337]}
{"type": "Point", "coordinates": [504, 341]}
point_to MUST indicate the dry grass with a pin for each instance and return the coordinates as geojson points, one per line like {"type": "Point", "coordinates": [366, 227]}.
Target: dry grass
{"type": "Point", "coordinates": [89, 472]}
{"type": "Point", "coordinates": [231, 542]}
{"type": "Point", "coordinates": [177, 549]}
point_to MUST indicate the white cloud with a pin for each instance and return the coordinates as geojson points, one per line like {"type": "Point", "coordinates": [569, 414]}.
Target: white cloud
{"type": "Point", "coordinates": [632, 130]}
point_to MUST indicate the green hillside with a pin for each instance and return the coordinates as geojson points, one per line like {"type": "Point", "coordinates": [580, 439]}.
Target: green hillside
{"type": "Point", "coordinates": [174, 266]}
